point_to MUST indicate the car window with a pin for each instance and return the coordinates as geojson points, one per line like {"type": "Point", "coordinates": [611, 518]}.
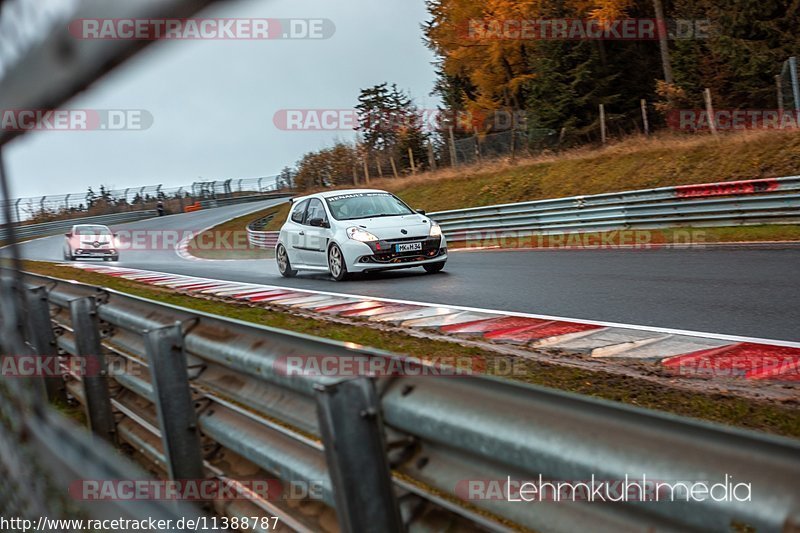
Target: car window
{"type": "Point", "coordinates": [365, 205]}
{"type": "Point", "coordinates": [91, 230]}
{"type": "Point", "coordinates": [299, 211]}
{"type": "Point", "coordinates": [315, 210]}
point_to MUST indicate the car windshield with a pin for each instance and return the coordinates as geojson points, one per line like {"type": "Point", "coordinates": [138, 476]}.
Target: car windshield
{"type": "Point", "coordinates": [366, 205]}
{"type": "Point", "coordinates": [92, 230]}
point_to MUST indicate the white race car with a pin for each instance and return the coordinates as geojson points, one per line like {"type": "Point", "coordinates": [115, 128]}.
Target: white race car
{"type": "Point", "coordinates": [357, 230]}
{"type": "Point", "coordinates": [86, 241]}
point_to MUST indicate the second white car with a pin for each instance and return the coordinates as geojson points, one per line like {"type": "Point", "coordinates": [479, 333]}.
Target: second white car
{"type": "Point", "coordinates": [357, 230]}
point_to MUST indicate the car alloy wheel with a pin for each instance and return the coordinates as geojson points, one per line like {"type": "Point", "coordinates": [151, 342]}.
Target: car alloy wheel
{"type": "Point", "coordinates": [336, 263]}
{"type": "Point", "coordinates": [284, 266]}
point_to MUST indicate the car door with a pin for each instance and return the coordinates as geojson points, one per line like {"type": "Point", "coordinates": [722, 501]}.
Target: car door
{"type": "Point", "coordinates": [315, 238]}
{"type": "Point", "coordinates": [294, 233]}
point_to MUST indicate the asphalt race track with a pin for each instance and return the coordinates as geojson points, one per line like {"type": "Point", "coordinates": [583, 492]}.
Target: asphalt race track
{"type": "Point", "coordinates": [751, 292]}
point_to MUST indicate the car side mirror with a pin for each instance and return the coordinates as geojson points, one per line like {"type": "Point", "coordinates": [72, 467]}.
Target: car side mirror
{"type": "Point", "coordinates": [68, 235]}
{"type": "Point", "coordinates": [421, 211]}
{"type": "Point", "coordinates": [318, 222]}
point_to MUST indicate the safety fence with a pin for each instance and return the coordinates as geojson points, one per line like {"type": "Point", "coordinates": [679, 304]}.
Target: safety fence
{"type": "Point", "coordinates": [201, 396]}
{"type": "Point", "coordinates": [108, 201]}
{"type": "Point", "coordinates": [28, 231]}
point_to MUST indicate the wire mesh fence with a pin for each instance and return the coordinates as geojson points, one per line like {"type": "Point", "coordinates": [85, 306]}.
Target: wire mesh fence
{"type": "Point", "coordinates": [476, 148]}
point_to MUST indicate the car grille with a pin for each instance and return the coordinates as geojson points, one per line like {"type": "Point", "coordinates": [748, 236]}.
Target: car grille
{"type": "Point", "coordinates": [387, 255]}
{"type": "Point", "coordinates": [406, 239]}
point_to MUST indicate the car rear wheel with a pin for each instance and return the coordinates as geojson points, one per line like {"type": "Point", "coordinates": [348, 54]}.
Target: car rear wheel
{"type": "Point", "coordinates": [284, 266]}
{"type": "Point", "coordinates": [336, 263]}
{"type": "Point", "coordinates": [432, 268]}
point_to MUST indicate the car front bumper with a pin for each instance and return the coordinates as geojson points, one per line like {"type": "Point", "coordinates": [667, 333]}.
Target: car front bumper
{"type": "Point", "coordinates": [382, 254]}
{"type": "Point", "coordinates": [84, 253]}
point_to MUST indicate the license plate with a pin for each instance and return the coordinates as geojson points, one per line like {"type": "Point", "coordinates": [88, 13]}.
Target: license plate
{"type": "Point", "coordinates": [408, 247]}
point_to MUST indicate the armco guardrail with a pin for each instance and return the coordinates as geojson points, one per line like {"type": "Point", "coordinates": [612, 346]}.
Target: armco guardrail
{"type": "Point", "coordinates": [220, 202]}
{"type": "Point", "coordinates": [29, 231]}
{"type": "Point", "coordinates": [262, 239]}
{"type": "Point", "coordinates": [258, 238]}
{"type": "Point", "coordinates": [766, 201]}
{"type": "Point", "coordinates": [390, 454]}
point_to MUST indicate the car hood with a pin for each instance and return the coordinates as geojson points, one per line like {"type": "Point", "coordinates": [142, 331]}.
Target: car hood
{"type": "Point", "coordinates": [392, 227]}
{"type": "Point", "coordinates": [91, 239]}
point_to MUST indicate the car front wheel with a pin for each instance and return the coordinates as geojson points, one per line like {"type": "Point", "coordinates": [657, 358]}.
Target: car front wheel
{"type": "Point", "coordinates": [284, 266]}
{"type": "Point", "coordinates": [432, 268]}
{"type": "Point", "coordinates": [336, 263]}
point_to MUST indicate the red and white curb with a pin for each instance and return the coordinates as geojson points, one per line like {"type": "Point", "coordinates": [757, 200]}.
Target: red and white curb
{"type": "Point", "coordinates": [686, 353]}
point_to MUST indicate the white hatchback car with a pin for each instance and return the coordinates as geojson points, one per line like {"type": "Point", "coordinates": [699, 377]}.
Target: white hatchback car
{"type": "Point", "coordinates": [357, 230]}
{"type": "Point", "coordinates": [90, 241]}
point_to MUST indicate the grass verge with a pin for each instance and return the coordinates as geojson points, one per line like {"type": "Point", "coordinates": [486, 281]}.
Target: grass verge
{"type": "Point", "coordinates": [228, 240]}
{"type": "Point", "coordinates": [781, 419]}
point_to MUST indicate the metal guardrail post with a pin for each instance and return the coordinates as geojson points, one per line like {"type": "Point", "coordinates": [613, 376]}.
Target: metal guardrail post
{"type": "Point", "coordinates": [43, 340]}
{"type": "Point", "coordinates": [173, 399]}
{"type": "Point", "coordinates": [352, 432]}
{"type": "Point", "coordinates": [83, 312]}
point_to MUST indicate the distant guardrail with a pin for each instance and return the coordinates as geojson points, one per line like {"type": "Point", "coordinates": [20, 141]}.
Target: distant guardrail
{"type": "Point", "coordinates": [732, 203]}
{"type": "Point", "coordinates": [404, 452]}
{"type": "Point", "coordinates": [258, 238]}
{"type": "Point", "coordinates": [763, 201]}
{"type": "Point", "coordinates": [29, 231]}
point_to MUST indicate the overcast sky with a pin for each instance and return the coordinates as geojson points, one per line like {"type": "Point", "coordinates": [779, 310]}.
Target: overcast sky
{"type": "Point", "coordinates": [213, 101]}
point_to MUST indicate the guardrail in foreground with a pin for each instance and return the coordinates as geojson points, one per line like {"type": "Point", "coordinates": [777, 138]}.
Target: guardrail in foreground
{"type": "Point", "coordinates": [766, 201]}
{"type": "Point", "coordinates": [388, 451]}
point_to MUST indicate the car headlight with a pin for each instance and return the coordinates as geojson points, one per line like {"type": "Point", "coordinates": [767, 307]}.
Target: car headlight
{"type": "Point", "coordinates": [358, 234]}
{"type": "Point", "coordinates": [436, 230]}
